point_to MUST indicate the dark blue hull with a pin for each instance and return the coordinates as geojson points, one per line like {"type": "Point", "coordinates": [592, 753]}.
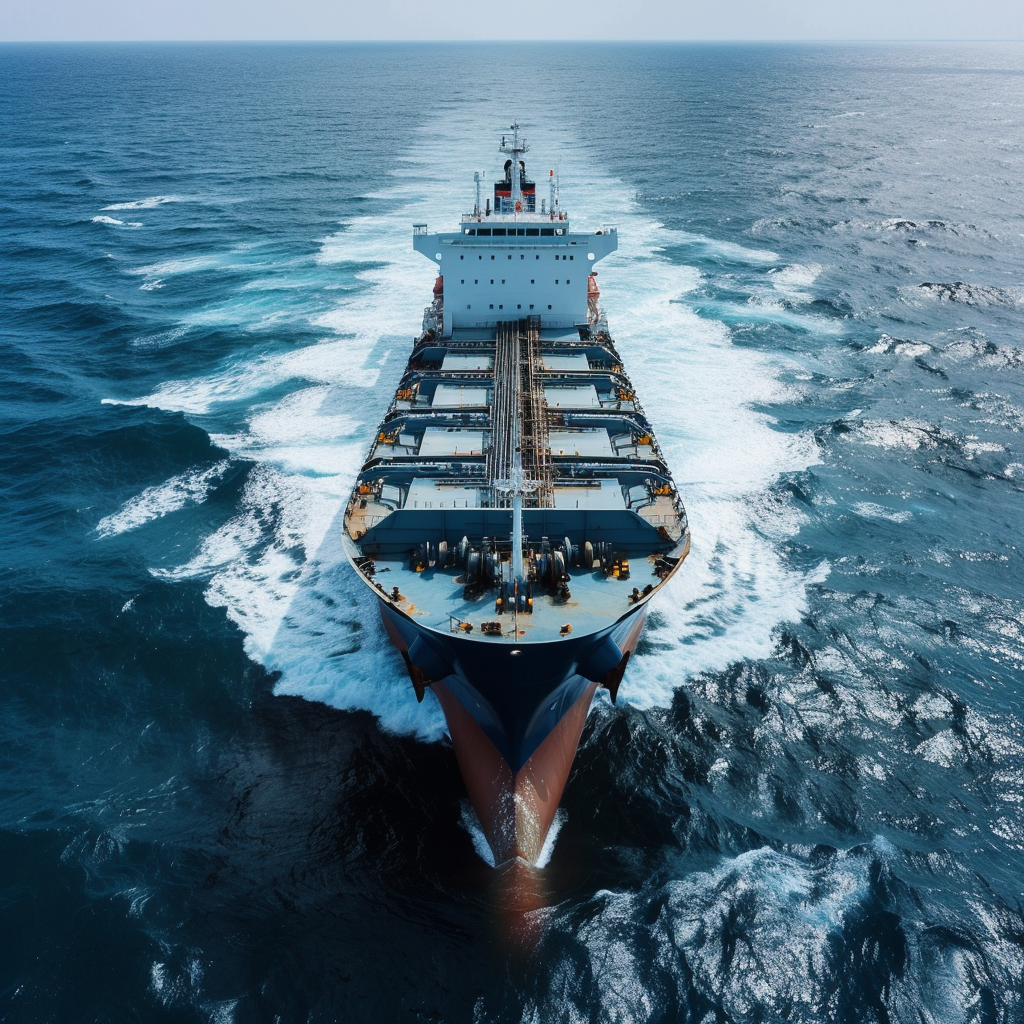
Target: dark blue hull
{"type": "Point", "coordinates": [517, 695]}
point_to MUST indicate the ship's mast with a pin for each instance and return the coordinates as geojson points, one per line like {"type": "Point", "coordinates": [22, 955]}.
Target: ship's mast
{"type": "Point", "coordinates": [515, 148]}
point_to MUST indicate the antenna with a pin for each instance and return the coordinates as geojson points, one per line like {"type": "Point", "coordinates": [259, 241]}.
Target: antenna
{"type": "Point", "coordinates": [515, 148]}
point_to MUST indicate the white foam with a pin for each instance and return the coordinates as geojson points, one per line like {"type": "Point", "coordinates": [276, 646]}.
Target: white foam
{"type": "Point", "coordinates": [158, 501]}
{"type": "Point", "coordinates": [790, 910]}
{"type": "Point", "coordinates": [144, 204]}
{"type": "Point", "coordinates": [548, 848]}
{"type": "Point", "coordinates": [869, 510]}
{"type": "Point", "coordinates": [907, 433]}
{"type": "Point", "coordinates": [168, 268]}
{"type": "Point", "coordinates": [793, 281]}
{"type": "Point", "coordinates": [115, 223]}
{"type": "Point", "coordinates": [471, 823]}
{"type": "Point", "coordinates": [277, 567]}
{"type": "Point", "coordinates": [329, 362]}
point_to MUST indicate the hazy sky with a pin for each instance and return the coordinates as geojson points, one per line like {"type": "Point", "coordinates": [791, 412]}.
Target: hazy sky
{"type": "Point", "coordinates": [533, 19]}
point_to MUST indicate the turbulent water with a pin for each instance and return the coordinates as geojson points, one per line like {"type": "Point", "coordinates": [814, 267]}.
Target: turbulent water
{"type": "Point", "coordinates": [220, 800]}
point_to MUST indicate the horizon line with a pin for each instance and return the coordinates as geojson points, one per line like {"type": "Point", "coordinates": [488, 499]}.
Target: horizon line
{"type": "Point", "coordinates": [470, 42]}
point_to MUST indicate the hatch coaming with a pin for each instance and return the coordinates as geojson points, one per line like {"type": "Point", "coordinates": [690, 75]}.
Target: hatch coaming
{"type": "Point", "coordinates": [586, 442]}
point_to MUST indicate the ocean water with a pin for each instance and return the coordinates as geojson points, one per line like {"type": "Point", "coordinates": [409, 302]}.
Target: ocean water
{"type": "Point", "coordinates": [219, 799]}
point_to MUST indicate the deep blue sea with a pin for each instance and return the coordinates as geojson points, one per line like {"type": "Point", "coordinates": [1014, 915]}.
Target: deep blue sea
{"type": "Point", "coordinates": [219, 799]}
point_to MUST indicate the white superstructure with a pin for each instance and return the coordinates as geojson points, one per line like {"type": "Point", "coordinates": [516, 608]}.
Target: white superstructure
{"type": "Point", "coordinates": [512, 260]}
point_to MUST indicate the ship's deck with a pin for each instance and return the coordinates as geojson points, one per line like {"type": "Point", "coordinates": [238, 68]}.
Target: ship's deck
{"type": "Point", "coordinates": [436, 598]}
{"type": "Point", "coordinates": [552, 408]}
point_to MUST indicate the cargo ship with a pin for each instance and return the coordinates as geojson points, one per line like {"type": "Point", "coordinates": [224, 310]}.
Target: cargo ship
{"type": "Point", "coordinates": [515, 515]}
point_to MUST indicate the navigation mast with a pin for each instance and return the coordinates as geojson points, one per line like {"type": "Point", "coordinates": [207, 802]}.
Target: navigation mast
{"type": "Point", "coordinates": [515, 148]}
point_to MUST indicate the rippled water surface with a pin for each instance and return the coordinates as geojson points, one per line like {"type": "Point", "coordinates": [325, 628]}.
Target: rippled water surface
{"type": "Point", "coordinates": [220, 800]}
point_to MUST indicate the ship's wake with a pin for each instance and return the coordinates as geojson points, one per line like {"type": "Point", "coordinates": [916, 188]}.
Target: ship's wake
{"type": "Point", "coordinates": [303, 417]}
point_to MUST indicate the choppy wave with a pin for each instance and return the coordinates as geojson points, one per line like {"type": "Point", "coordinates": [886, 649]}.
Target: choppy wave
{"type": "Point", "coordinates": [970, 294]}
{"type": "Point", "coordinates": [159, 501]}
{"type": "Point", "coordinates": [144, 204]}
{"type": "Point", "coordinates": [115, 223]}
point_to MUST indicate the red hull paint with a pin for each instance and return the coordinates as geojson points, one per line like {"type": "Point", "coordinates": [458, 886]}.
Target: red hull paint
{"type": "Point", "coordinates": [515, 812]}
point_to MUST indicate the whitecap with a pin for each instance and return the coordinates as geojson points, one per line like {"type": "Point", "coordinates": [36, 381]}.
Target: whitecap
{"type": "Point", "coordinates": [161, 500]}
{"type": "Point", "coordinates": [869, 510]}
{"type": "Point", "coordinates": [144, 204]}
